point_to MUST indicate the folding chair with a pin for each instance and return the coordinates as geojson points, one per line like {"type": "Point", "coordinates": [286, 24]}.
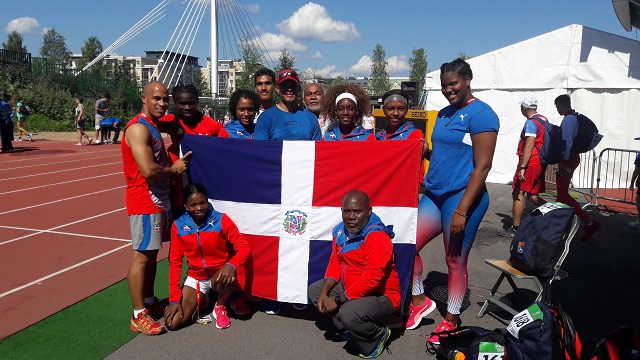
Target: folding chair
{"type": "Point", "coordinates": [510, 273]}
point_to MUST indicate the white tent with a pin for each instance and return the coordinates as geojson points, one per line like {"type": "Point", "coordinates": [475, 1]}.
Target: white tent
{"type": "Point", "coordinates": [600, 71]}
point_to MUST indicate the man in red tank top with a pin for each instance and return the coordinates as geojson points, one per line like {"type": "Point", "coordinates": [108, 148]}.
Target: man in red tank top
{"type": "Point", "coordinates": [147, 170]}
{"type": "Point", "coordinates": [529, 177]}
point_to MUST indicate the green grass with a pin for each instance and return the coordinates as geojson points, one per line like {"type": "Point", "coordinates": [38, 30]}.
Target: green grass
{"type": "Point", "coordinates": [90, 329]}
{"type": "Point", "coordinates": [554, 193]}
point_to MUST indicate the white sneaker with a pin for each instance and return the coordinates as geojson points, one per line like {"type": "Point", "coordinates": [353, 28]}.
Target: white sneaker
{"type": "Point", "coordinates": [30, 137]}
{"type": "Point", "coordinates": [97, 142]}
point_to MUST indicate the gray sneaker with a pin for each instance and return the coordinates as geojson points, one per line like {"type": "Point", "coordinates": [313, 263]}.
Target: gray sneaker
{"type": "Point", "coordinates": [510, 232]}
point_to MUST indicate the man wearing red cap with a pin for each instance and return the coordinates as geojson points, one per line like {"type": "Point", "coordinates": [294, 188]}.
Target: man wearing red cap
{"type": "Point", "coordinates": [287, 120]}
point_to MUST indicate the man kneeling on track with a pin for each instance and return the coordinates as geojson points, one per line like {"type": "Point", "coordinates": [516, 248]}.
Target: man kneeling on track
{"type": "Point", "coordinates": [203, 235]}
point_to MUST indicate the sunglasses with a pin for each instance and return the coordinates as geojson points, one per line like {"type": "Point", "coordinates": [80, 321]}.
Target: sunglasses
{"type": "Point", "coordinates": [285, 74]}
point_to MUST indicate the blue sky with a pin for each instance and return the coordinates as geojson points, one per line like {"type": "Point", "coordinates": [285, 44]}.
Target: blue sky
{"type": "Point", "coordinates": [330, 37]}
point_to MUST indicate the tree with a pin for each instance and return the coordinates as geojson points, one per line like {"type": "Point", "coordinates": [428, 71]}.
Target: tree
{"type": "Point", "coordinates": [91, 49]}
{"type": "Point", "coordinates": [418, 63]}
{"type": "Point", "coordinates": [201, 83]}
{"type": "Point", "coordinates": [463, 56]}
{"type": "Point", "coordinates": [14, 42]}
{"type": "Point", "coordinates": [379, 79]}
{"type": "Point", "coordinates": [339, 80]}
{"type": "Point", "coordinates": [286, 61]}
{"type": "Point", "coordinates": [252, 61]}
{"type": "Point", "coordinates": [54, 47]}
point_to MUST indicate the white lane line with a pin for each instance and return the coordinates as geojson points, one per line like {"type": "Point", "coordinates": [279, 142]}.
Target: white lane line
{"type": "Point", "coordinates": [102, 158]}
{"type": "Point", "coordinates": [63, 270]}
{"type": "Point", "coordinates": [60, 200]}
{"type": "Point", "coordinates": [74, 154]}
{"type": "Point", "coordinates": [60, 171]}
{"type": "Point", "coordinates": [59, 183]}
{"type": "Point", "coordinates": [61, 226]}
{"type": "Point", "coordinates": [39, 231]}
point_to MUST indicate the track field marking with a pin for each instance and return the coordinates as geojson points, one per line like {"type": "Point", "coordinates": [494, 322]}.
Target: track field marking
{"type": "Point", "coordinates": [61, 226]}
{"type": "Point", "coordinates": [56, 163]}
{"type": "Point", "coordinates": [60, 200]}
{"type": "Point", "coordinates": [63, 270]}
{"type": "Point", "coordinates": [75, 154]}
{"type": "Point", "coordinates": [60, 183]}
{"type": "Point", "coordinates": [59, 171]}
{"type": "Point", "coordinates": [39, 231]}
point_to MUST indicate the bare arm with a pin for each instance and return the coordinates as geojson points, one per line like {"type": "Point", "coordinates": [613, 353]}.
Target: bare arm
{"type": "Point", "coordinates": [484, 145]}
{"type": "Point", "coordinates": [634, 177]}
{"type": "Point", "coordinates": [529, 143]}
{"type": "Point", "coordinates": [138, 138]}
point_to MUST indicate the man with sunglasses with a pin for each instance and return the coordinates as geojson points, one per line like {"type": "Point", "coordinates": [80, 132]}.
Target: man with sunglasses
{"type": "Point", "coordinates": [287, 120]}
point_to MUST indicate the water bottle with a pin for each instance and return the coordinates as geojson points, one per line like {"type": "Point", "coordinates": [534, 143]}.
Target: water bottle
{"type": "Point", "coordinates": [455, 355]}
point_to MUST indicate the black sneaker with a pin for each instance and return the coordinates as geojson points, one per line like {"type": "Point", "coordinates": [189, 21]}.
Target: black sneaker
{"type": "Point", "coordinates": [510, 232]}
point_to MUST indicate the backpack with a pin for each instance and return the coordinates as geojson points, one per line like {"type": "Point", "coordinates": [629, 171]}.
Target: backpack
{"type": "Point", "coordinates": [539, 241]}
{"type": "Point", "coordinates": [472, 341]}
{"type": "Point", "coordinates": [553, 146]}
{"type": "Point", "coordinates": [619, 344]}
{"type": "Point", "coordinates": [542, 332]}
{"type": "Point", "coordinates": [25, 110]}
{"type": "Point", "coordinates": [587, 137]}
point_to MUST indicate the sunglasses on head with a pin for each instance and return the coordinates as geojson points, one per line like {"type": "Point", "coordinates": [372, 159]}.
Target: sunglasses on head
{"type": "Point", "coordinates": [285, 74]}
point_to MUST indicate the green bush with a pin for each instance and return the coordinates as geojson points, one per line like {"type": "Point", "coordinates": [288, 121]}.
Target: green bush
{"type": "Point", "coordinates": [39, 123]}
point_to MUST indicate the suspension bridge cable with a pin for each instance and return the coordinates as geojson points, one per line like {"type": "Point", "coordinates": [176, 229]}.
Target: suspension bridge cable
{"type": "Point", "coordinates": [183, 33]}
{"type": "Point", "coordinates": [171, 39]}
{"type": "Point", "coordinates": [193, 34]}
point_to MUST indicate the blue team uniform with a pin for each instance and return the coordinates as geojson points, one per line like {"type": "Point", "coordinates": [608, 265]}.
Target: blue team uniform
{"type": "Point", "coordinates": [237, 131]}
{"type": "Point", "coordinates": [358, 134]}
{"type": "Point", "coordinates": [275, 124]}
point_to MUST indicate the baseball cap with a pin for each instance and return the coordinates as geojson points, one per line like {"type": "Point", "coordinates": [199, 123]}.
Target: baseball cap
{"type": "Point", "coordinates": [287, 74]}
{"type": "Point", "coordinates": [529, 102]}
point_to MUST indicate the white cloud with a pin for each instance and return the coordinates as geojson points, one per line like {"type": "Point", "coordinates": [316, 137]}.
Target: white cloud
{"type": "Point", "coordinates": [23, 25]}
{"type": "Point", "coordinates": [273, 42]}
{"type": "Point", "coordinates": [362, 67]}
{"type": "Point", "coordinates": [398, 65]}
{"type": "Point", "coordinates": [44, 30]}
{"type": "Point", "coordinates": [326, 72]}
{"type": "Point", "coordinates": [312, 22]}
{"type": "Point", "coordinates": [252, 8]}
{"type": "Point", "coordinates": [317, 55]}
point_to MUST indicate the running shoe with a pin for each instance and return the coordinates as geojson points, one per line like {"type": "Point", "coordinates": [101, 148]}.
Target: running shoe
{"type": "Point", "coordinates": [416, 313]}
{"type": "Point", "coordinates": [89, 141]}
{"type": "Point", "coordinates": [19, 139]}
{"type": "Point", "coordinates": [299, 307]}
{"type": "Point", "coordinates": [30, 137]}
{"type": "Point", "coordinates": [635, 224]}
{"type": "Point", "coordinates": [272, 307]}
{"type": "Point", "coordinates": [510, 232]}
{"type": "Point", "coordinates": [222, 319]}
{"type": "Point", "coordinates": [378, 350]}
{"type": "Point", "coordinates": [346, 335]}
{"type": "Point", "coordinates": [145, 324]}
{"type": "Point", "coordinates": [590, 229]}
{"type": "Point", "coordinates": [239, 306]}
{"type": "Point", "coordinates": [204, 320]}
{"type": "Point", "coordinates": [445, 325]}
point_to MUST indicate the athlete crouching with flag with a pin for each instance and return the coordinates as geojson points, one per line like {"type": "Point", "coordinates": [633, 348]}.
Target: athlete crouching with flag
{"type": "Point", "coordinates": [361, 288]}
{"type": "Point", "coordinates": [203, 235]}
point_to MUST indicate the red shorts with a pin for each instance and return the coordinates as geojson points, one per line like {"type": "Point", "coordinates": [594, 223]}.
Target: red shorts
{"type": "Point", "coordinates": [533, 179]}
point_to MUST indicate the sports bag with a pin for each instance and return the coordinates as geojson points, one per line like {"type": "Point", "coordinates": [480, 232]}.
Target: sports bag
{"type": "Point", "coordinates": [25, 110]}
{"type": "Point", "coordinates": [587, 137]}
{"type": "Point", "coordinates": [542, 332]}
{"type": "Point", "coordinates": [553, 146]}
{"type": "Point", "coordinates": [619, 344]}
{"type": "Point", "coordinates": [539, 241]}
{"type": "Point", "coordinates": [472, 341]}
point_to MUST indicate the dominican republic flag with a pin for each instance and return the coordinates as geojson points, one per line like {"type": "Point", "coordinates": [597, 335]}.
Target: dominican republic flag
{"type": "Point", "coordinates": [285, 197]}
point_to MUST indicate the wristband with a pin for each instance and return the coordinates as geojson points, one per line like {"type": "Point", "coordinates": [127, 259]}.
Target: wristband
{"type": "Point", "coordinates": [460, 213]}
{"type": "Point", "coordinates": [522, 167]}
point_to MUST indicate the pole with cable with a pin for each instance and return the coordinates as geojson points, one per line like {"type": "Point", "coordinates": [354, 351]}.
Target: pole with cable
{"type": "Point", "coordinates": [214, 49]}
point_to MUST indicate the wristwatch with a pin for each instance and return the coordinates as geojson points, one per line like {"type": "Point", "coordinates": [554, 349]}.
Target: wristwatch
{"type": "Point", "coordinates": [521, 167]}
{"type": "Point", "coordinates": [338, 300]}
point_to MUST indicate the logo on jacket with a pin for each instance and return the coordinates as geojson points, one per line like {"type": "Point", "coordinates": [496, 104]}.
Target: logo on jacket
{"type": "Point", "coordinates": [186, 227]}
{"type": "Point", "coordinates": [332, 135]}
{"type": "Point", "coordinates": [295, 222]}
{"type": "Point", "coordinates": [521, 247]}
{"type": "Point", "coordinates": [156, 228]}
{"type": "Point", "coordinates": [462, 117]}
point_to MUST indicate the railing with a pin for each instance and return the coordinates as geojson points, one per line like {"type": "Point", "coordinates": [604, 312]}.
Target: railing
{"type": "Point", "coordinates": [603, 177]}
{"type": "Point", "coordinates": [615, 167]}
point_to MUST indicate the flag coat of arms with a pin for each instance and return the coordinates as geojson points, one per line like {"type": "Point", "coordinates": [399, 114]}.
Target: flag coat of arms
{"type": "Point", "coordinates": [285, 197]}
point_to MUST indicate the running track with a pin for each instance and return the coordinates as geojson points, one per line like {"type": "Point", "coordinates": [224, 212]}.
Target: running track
{"type": "Point", "coordinates": [64, 233]}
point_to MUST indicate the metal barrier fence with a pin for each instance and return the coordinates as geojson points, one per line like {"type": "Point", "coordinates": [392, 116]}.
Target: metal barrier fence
{"type": "Point", "coordinates": [603, 177]}
{"type": "Point", "coordinates": [615, 167]}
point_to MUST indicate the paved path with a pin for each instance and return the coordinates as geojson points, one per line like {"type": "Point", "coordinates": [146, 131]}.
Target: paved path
{"type": "Point", "coordinates": [601, 292]}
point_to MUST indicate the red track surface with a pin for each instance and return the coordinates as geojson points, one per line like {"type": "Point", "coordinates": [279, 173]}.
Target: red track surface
{"type": "Point", "coordinates": [64, 233]}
